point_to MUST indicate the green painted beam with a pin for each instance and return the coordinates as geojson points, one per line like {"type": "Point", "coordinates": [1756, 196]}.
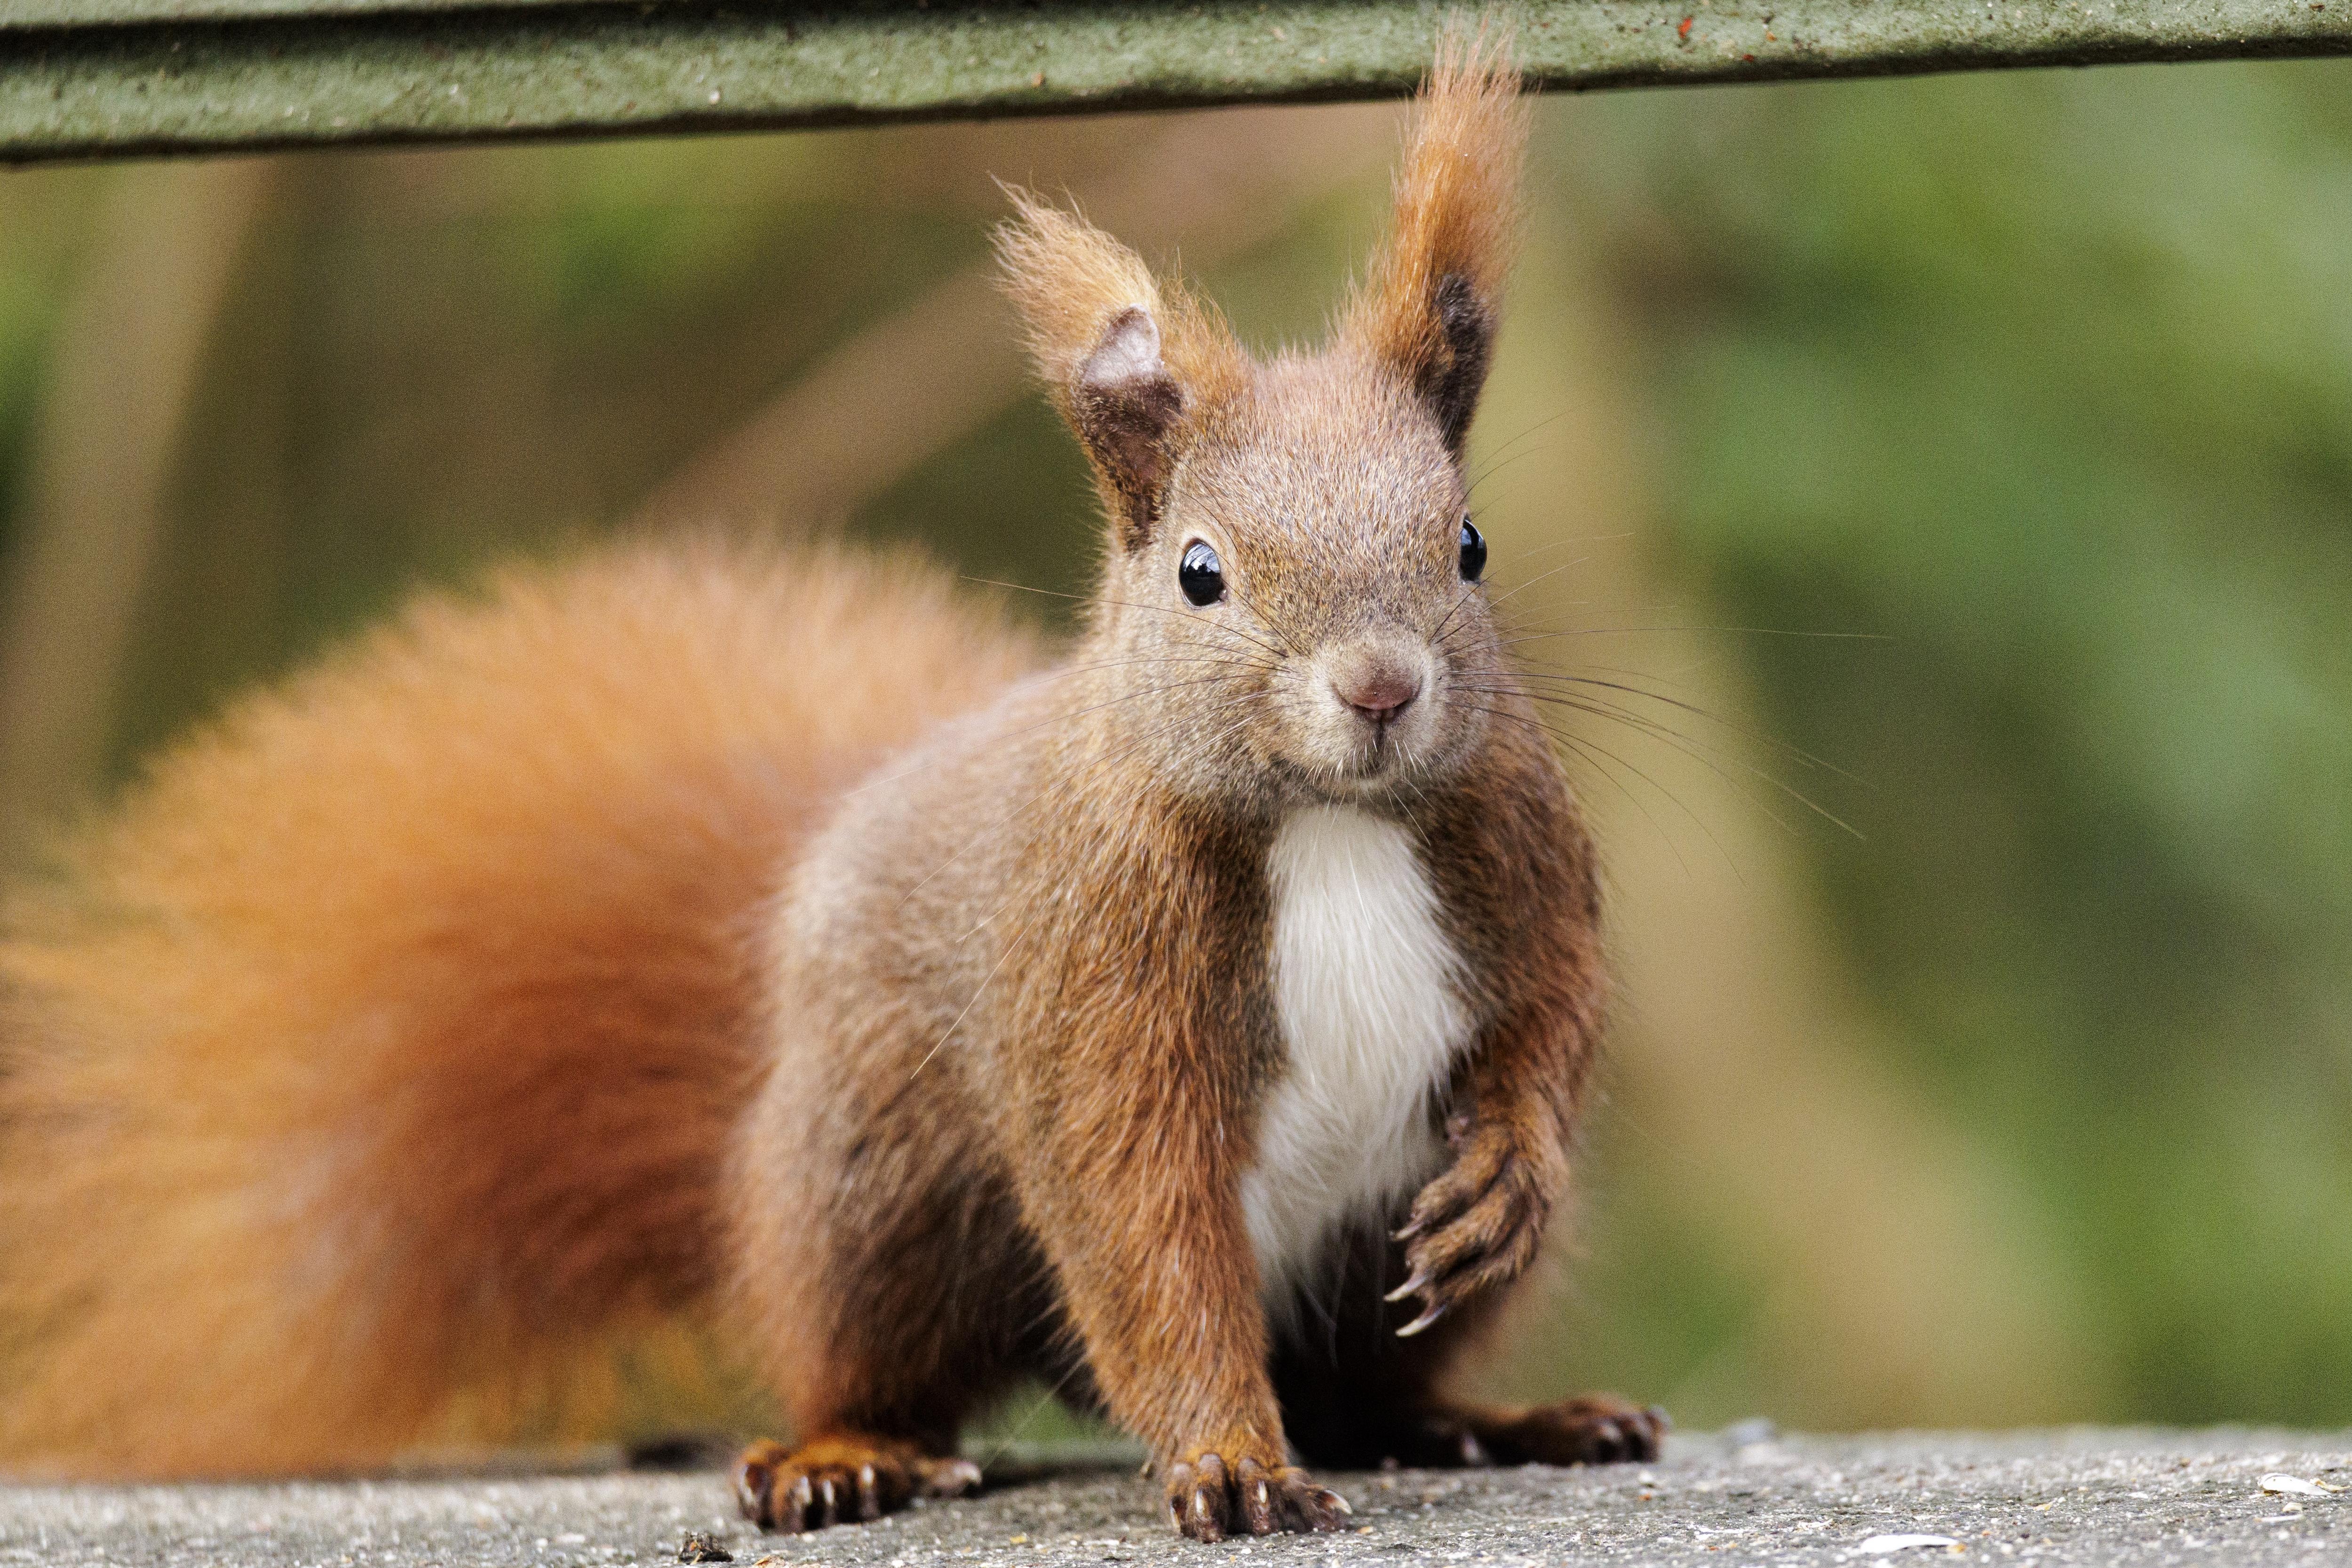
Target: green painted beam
{"type": "Point", "coordinates": [85, 79]}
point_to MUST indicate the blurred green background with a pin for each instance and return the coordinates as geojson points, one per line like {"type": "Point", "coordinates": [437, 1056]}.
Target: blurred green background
{"type": "Point", "coordinates": [2027, 399]}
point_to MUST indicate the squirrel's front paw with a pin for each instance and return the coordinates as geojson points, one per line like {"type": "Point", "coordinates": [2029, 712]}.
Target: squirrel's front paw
{"type": "Point", "coordinates": [844, 1478]}
{"type": "Point", "coordinates": [1208, 1499]}
{"type": "Point", "coordinates": [1475, 1226]}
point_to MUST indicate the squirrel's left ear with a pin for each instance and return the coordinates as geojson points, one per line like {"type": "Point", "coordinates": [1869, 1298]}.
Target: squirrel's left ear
{"type": "Point", "coordinates": [1133, 368]}
{"type": "Point", "coordinates": [1433, 300]}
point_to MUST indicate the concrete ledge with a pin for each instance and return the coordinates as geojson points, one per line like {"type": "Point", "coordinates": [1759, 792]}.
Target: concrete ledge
{"type": "Point", "coordinates": [2080, 1497]}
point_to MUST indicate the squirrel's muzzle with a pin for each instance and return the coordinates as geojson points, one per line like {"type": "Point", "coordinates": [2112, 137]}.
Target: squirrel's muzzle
{"type": "Point", "coordinates": [1379, 689]}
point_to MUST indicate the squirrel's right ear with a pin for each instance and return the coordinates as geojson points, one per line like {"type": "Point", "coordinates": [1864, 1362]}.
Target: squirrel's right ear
{"type": "Point", "coordinates": [1133, 369]}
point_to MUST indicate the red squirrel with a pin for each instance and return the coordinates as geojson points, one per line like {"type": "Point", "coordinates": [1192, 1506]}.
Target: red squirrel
{"type": "Point", "coordinates": [786, 941]}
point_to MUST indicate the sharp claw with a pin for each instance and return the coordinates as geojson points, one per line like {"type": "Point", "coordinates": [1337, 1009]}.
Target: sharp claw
{"type": "Point", "coordinates": [1323, 1508]}
{"type": "Point", "coordinates": [869, 1493]}
{"type": "Point", "coordinates": [751, 1492]}
{"type": "Point", "coordinates": [1412, 1286]}
{"type": "Point", "coordinates": [1200, 1521]}
{"type": "Point", "coordinates": [1407, 1230]}
{"type": "Point", "coordinates": [1429, 1315]}
{"type": "Point", "coordinates": [950, 1477]}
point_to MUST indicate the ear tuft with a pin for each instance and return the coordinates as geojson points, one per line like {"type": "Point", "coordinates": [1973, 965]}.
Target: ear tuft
{"type": "Point", "coordinates": [1132, 368]}
{"type": "Point", "coordinates": [1432, 300]}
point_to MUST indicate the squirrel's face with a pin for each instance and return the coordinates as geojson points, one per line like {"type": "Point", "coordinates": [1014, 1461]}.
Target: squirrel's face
{"type": "Point", "coordinates": [1304, 618]}
{"type": "Point", "coordinates": [1291, 609]}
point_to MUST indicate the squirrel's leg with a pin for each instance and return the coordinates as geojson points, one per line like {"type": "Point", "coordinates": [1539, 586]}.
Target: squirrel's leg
{"type": "Point", "coordinates": [889, 1288]}
{"type": "Point", "coordinates": [1355, 1395]}
{"type": "Point", "coordinates": [877, 1421]}
{"type": "Point", "coordinates": [1138, 1205]}
{"type": "Point", "coordinates": [878, 1388]}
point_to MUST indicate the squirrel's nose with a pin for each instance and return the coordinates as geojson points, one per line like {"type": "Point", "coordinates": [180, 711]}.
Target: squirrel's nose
{"type": "Point", "coordinates": [1378, 693]}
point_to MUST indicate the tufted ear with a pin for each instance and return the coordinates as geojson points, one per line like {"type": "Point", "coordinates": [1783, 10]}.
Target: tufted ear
{"type": "Point", "coordinates": [1431, 301]}
{"type": "Point", "coordinates": [1133, 369]}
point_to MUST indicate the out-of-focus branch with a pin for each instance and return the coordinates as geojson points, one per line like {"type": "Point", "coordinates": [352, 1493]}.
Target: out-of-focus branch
{"type": "Point", "coordinates": [127, 357]}
{"type": "Point", "coordinates": [96, 77]}
{"type": "Point", "coordinates": [913, 384]}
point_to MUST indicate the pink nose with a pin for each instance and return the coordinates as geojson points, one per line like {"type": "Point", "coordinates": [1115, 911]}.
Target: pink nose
{"type": "Point", "coordinates": [1380, 693]}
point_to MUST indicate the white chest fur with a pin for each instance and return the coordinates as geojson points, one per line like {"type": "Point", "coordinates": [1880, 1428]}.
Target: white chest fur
{"type": "Point", "coordinates": [1364, 985]}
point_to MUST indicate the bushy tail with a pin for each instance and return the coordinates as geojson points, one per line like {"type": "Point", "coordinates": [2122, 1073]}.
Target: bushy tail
{"type": "Point", "coordinates": [369, 1072]}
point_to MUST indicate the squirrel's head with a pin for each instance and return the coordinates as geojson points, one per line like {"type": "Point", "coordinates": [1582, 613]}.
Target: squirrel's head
{"type": "Point", "coordinates": [1292, 590]}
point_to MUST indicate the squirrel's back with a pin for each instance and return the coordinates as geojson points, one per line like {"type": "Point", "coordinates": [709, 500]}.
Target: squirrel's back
{"type": "Point", "coordinates": [367, 1076]}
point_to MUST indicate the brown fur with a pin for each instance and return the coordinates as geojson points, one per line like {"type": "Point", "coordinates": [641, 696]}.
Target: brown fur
{"type": "Point", "coordinates": [1024, 1016]}
{"type": "Point", "coordinates": [505, 984]}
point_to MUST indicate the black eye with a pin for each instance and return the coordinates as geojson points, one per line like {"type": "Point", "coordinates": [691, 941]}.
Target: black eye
{"type": "Point", "coordinates": [1474, 551]}
{"type": "Point", "coordinates": [1201, 574]}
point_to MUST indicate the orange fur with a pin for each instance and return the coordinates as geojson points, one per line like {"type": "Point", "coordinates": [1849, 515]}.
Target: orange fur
{"type": "Point", "coordinates": [377, 1059]}
{"type": "Point", "coordinates": [1068, 278]}
{"type": "Point", "coordinates": [1457, 211]}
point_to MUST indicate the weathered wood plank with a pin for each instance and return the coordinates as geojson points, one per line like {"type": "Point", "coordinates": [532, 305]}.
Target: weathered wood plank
{"type": "Point", "coordinates": [281, 73]}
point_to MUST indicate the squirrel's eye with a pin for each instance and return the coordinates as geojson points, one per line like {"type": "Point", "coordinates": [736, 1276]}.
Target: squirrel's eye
{"type": "Point", "coordinates": [1201, 574]}
{"type": "Point", "coordinates": [1474, 550]}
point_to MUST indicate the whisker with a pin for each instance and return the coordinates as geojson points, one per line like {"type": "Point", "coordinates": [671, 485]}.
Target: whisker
{"type": "Point", "coordinates": [1001, 960]}
{"type": "Point", "coordinates": [1567, 544]}
{"type": "Point", "coordinates": [1013, 945]}
{"type": "Point", "coordinates": [1597, 754]}
{"type": "Point", "coordinates": [1641, 724]}
{"type": "Point", "coordinates": [1544, 423]}
{"type": "Point", "coordinates": [1050, 722]}
{"type": "Point", "coordinates": [1739, 631]}
{"type": "Point", "coordinates": [1760, 737]}
{"type": "Point", "coordinates": [1284, 633]}
{"type": "Point", "coordinates": [1496, 466]}
{"type": "Point", "coordinates": [1131, 604]}
{"type": "Point", "coordinates": [1531, 582]}
{"type": "Point", "coordinates": [1224, 660]}
{"type": "Point", "coordinates": [1437, 633]}
{"type": "Point", "coordinates": [1051, 787]}
{"type": "Point", "coordinates": [1698, 752]}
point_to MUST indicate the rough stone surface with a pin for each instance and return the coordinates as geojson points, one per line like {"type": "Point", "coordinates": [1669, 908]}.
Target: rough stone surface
{"type": "Point", "coordinates": [2087, 1497]}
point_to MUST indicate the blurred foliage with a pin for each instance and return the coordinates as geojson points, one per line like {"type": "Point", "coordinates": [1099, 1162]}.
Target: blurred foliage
{"type": "Point", "coordinates": [2048, 380]}
{"type": "Point", "coordinates": [2044, 380]}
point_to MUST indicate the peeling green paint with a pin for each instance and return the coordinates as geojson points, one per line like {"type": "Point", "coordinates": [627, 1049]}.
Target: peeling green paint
{"type": "Point", "coordinates": [84, 78]}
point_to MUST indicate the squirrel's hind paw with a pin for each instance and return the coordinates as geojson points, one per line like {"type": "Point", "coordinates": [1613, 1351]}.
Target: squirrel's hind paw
{"type": "Point", "coordinates": [1592, 1429]}
{"type": "Point", "coordinates": [843, 1479]}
